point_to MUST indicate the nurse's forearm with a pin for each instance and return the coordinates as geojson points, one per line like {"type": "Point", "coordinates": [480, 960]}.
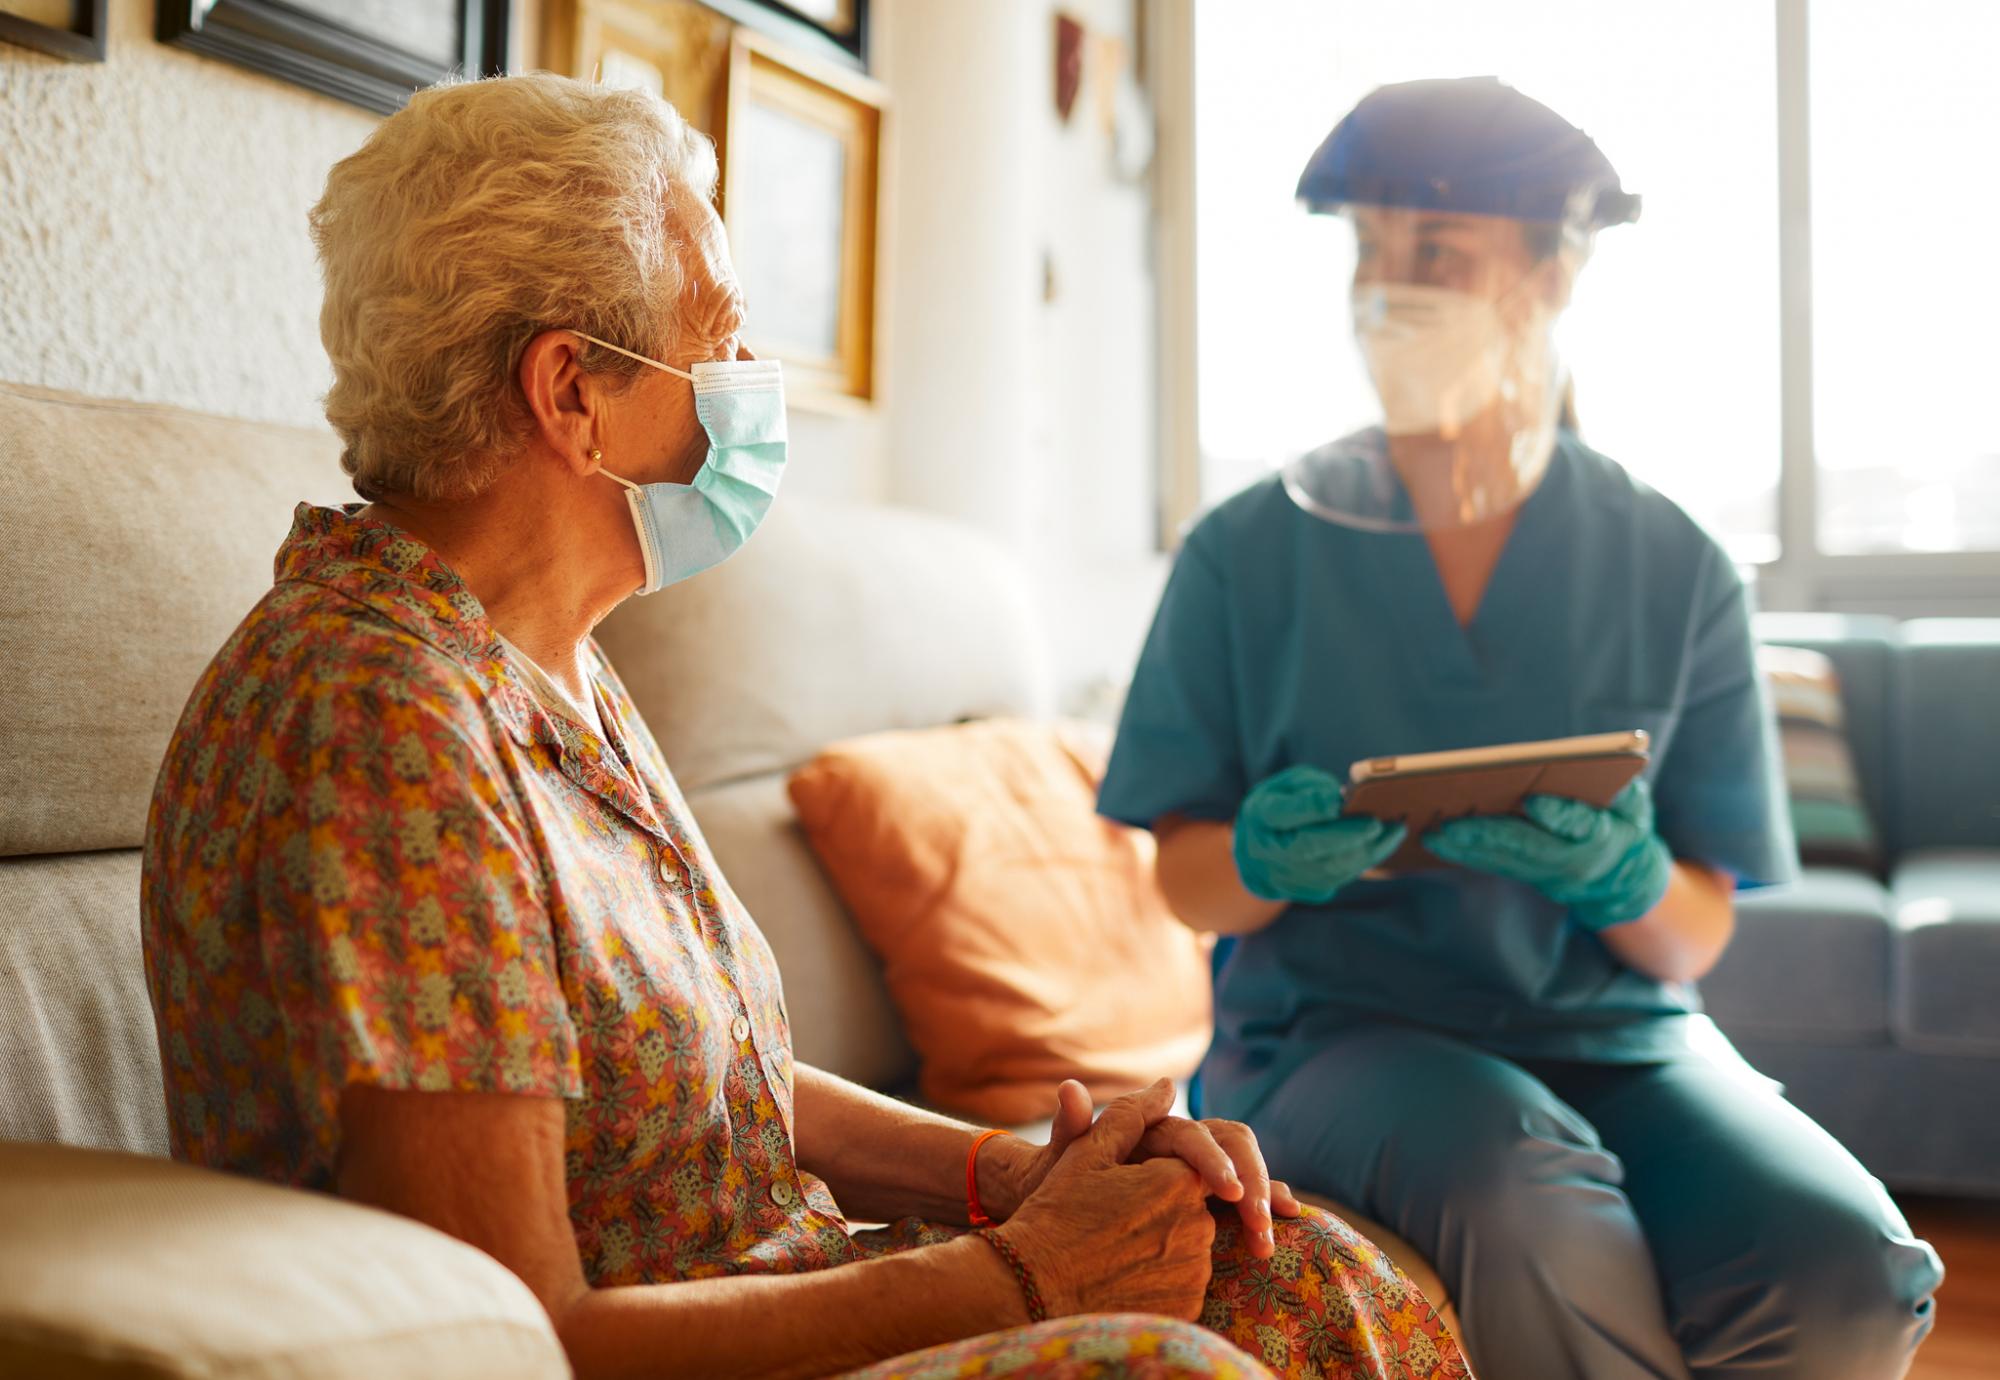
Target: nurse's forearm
{"type": "Point", "coordinates": [1680, 939]}
{"type": "Point", "coordinates": [1197, 874]}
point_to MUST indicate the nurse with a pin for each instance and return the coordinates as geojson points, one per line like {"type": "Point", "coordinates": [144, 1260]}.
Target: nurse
{"type": "Point", "coordinates": [1500, 1057]}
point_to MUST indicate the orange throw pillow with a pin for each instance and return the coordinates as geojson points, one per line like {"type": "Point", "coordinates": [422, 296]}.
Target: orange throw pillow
{"type": "Point", "coordinates": [1022, 935]}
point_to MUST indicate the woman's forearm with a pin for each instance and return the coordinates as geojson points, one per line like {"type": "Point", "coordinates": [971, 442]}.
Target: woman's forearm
{"type": "Point", "coordinates": [820, 1322]}
{"type": "Point", "coordinates": [1680, 939]}
{"type": "Point", "coordinates": [885, 1159]}
{"type": "Point", "coordinates": [1196, 869]}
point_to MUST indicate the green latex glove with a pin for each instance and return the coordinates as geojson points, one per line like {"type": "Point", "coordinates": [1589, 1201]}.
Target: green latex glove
{"type": "Point", "coordinates": [1607, 866]}
{"type": "Point", "coordinates": [1291, 843]}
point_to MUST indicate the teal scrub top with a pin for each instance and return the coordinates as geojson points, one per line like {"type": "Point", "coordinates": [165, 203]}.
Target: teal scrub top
{"type": "Point", "coordinates": [1283, 638]}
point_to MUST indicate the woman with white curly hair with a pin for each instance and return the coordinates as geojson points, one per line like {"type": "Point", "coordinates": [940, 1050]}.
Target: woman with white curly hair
{"type": "Point", "coordinates": [428, 924]}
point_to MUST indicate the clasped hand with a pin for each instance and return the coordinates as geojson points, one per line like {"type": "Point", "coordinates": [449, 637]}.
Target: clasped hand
{"type": "Point", "coordinates": [1145, 1173]}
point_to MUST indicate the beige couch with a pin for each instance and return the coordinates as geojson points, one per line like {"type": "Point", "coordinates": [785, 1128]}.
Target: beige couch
{"type": "Point", "coordinates": [132, 538]}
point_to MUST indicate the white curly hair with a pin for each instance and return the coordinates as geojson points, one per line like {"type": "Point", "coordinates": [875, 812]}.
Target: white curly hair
{"type": "Point", "coordinates": [480, 215]}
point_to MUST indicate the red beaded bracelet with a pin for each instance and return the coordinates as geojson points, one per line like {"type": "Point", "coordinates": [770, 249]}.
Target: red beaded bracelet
{"type": "Point", "coordinates": [1037, 1310]}
{"type": "Point", "coordinates": [974, 1213]}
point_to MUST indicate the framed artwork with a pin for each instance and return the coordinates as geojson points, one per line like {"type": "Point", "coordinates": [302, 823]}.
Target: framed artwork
{"type": "Point", "coordinates": [801, 154]}
{"type": "Point", "coordinates": [72, 29]}
{"type": "Point", "coordinates": [836, 29]}
{"type": "Point", "coordinates": [373, 53]}
{"type": "Point", "coordinates": [676, 49]}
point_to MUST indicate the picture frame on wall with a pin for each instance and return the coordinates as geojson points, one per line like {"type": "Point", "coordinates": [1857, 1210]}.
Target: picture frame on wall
{"type": "Point", "coordinates": [801, 178]}
{"type": "Point", "coordinates": [68, 29]}
{"type": "Point", "coordinates": [372, 53]}
{"type": "Point", "coordinates": [833, 29]}
{"type": "Point", "coordinates": [675, 49]}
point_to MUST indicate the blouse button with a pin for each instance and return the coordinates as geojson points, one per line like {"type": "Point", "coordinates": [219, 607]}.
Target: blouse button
{"type": "Point", "coordinates": [666, 870]}
{"type": "Point", "coordinates": [781, 1194]}
{"type": "Point", "coordinates": [741, 1029]}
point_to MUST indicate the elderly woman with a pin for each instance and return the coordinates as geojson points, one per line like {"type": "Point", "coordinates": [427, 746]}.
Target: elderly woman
{"type": "Point", "coordinates": [427, 921]}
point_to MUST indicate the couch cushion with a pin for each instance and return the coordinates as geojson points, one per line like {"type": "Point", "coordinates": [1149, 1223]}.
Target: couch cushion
{"type": "Point", "coordinates": [1809, 962]}
{"type": "Point", "coordinates": [1862, 648]}
{"type": "Point", "coordinates": [137, 537]}
{"type": "Point", "coordinates": [837, 619]}
{"type": "Point", "coordinates": [840, 1013]}
{"type": "Point", "coordinates": [114, 1265]}
{"type": "Point", "coordinates": [1948, 976]}
{"type": "Point", "coordinates": [1829, 816]}
{"type": "Point", "coordinates": [1023, 937]}
{"type": "Point", "coordinates": [1948, 734]}
{"type": "Point", "coordinates": [78, 1060]}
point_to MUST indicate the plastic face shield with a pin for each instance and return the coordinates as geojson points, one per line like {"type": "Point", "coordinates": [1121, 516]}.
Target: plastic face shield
{"type": "Point", "coordinates": [1454, 323]}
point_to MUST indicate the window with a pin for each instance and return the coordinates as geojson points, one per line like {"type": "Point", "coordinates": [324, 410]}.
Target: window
{"type": "Point", "coordinates": [1677, 336]}
{"type": "Point", "coordinates": [1906, 284]}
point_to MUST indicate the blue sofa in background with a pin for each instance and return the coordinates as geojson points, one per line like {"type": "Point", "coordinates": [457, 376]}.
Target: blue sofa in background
{"type": "Point", "coordinates": [1875, 1000]}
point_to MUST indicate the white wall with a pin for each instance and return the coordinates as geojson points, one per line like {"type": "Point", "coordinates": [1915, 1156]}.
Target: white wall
{"type": "Point", "coordinates": [1030, 418]}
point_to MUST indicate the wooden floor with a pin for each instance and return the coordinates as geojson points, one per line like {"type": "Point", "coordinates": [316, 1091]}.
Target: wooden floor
{"type": "Point", "coordinates": [1966, 1342]}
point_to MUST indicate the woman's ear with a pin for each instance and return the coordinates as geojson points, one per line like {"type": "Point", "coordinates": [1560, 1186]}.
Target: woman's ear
{"type": "Point", "coordinates": [563, 401]}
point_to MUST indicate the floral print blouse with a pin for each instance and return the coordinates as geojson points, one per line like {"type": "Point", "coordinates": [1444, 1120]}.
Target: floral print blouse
{"type": "Point", "coordinates": [374, 857]}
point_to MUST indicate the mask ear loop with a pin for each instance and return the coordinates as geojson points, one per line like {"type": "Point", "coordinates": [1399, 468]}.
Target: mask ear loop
{"type": "Point", "coordinates": [629, 354]}
{"type": "Point", "coordinates": [634, 496]}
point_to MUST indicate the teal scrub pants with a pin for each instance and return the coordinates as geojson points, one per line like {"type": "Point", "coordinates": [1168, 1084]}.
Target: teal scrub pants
{"type": "Point", "coordinates": [1608, 1221]}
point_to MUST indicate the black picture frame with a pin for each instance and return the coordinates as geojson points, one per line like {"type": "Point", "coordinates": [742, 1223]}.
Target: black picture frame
{"type": "Point", "coordinates": [780, 21]}
{"type": "Point", "coordinates": [308, 50]}
{"type": "Point", "coordinates": [82, 41]}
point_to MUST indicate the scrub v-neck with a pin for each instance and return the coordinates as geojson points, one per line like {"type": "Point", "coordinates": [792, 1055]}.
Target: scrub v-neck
{"type": "Point", "coordinates": [1510, 623]}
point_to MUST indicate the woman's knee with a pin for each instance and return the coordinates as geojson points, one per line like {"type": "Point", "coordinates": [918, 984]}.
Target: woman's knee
{"type": "Point", "coordinates": [1103, 1346]}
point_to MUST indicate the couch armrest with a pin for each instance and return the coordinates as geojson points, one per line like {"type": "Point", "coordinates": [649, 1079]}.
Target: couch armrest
{"type": "Point", "coordinates": [115, 1264]}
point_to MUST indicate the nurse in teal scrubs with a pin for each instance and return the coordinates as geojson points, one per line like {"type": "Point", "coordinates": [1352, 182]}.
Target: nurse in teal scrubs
{"type": "Point", "coordinates": [1502, 1058]}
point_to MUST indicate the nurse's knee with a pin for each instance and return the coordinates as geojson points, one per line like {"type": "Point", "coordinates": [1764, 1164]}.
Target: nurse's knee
{"type": "Point", "coordinates": [1861, 1314]}
{"type": "Point", "coordinates": [1851, 1294]}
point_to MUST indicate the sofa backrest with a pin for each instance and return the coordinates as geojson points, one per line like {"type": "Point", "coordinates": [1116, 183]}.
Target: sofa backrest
{"type": "Point", "coordinates": [836, 620]}
{"type": "Point", "coordinates": [1948, 734]}
{"type": "Point", "coordinates": [132, 539]}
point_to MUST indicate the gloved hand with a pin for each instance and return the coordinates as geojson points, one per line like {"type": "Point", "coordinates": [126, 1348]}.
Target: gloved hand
{"type": "Point", "coordinates": [1607, 866]}
{"type": "Point", "coordinates": [1291, 843]}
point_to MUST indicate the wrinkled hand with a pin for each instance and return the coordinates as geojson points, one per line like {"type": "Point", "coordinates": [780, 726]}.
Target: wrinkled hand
{"type": "Point", "coordinates": [1104, 1236]}
{"type": "Point", "coordinates": [1226, 1155]}
{"type": "Point", "coordinates": [1606, 865]}
{"type": "Point", "coordinates": [1223, 1153]}
{"type": "Point", "coordinates": [1291, 842]}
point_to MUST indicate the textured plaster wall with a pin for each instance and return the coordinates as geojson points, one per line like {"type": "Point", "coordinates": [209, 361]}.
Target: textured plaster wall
{"type": "Point", "coordinates": [152, 226]}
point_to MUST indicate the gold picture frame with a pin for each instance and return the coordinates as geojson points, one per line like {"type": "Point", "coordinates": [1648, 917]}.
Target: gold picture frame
{"type": "Point", "coordinates": [677, 49]}
{"type": "Point", "coordinates": [801, 187]}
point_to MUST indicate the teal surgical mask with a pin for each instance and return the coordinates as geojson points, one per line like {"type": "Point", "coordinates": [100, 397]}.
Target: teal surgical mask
{"type": "Point", "coordinates": [686, 528]}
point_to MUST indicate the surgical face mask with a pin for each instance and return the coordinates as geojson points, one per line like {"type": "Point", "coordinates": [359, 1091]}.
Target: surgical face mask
{"type": "Point", "coordinates": [686, 528]}
{"type": "Point", "coordinates": [1438, 357]}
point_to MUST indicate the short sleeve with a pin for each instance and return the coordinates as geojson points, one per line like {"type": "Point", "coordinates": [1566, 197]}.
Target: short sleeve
{"type": "Point", "coordinates": [1178, 745]}
{"type": "Point", "coordinates": [401, 904]}
{"type": "Point", "coordinates": [1719, 795]}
